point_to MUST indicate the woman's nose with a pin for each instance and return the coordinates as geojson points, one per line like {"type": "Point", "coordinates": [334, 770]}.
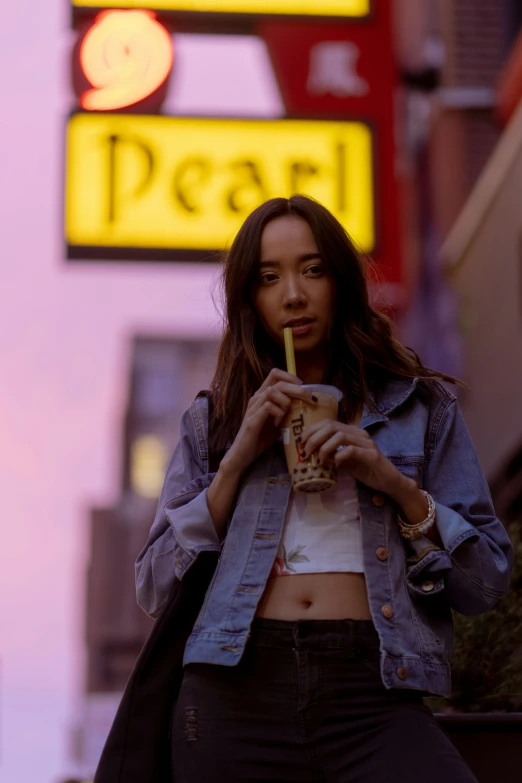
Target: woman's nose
{"type": "Point", "coordinates": [293, 293]}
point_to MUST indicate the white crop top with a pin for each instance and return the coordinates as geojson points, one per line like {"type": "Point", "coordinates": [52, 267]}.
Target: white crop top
{"type": "Point", "coordinates": [322, 532]}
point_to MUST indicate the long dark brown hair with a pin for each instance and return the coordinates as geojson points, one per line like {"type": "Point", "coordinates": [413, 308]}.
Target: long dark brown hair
{"type": "Point", "coordinates": [362, 354]}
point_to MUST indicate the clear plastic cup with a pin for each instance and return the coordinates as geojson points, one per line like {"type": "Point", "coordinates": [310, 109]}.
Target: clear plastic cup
{"type": "Point", "coordinates": [306, 474]}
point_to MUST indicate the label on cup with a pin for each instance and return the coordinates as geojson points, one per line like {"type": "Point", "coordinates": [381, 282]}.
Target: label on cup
{"type": "Point", "coordinates": [306, 474]}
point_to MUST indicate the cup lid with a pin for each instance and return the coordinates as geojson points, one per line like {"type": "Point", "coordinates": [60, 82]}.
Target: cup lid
{"type": "Point", "coordinates": [332, 391]}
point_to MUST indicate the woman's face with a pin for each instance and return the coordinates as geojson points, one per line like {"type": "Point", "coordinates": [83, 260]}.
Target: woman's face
{"type": "Point", "coordinates": [293, 284]}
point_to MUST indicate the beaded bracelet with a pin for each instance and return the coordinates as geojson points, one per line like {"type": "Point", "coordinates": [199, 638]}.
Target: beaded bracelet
{"type": "Point", "coordinates": [417, 530]}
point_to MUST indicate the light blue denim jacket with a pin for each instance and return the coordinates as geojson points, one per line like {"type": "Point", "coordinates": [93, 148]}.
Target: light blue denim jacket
{"type": "Point", "coordinates": [412, 586]}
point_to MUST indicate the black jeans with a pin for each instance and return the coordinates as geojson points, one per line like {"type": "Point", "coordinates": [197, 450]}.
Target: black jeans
{"type": "Point", "coordinates": [306, 703]}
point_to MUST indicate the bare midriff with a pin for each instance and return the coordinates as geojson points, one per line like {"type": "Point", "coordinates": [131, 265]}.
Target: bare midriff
{"type": "Point", "coordinates": [332, 596]}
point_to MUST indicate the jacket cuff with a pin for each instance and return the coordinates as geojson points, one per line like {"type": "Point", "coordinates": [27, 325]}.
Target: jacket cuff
{"type": "Point", "coordinates": [427, 563]}
{"type": "Point", "coordinates": [426, 566]}
{"type": "Point", "coordinates": [453, 528]}
{"type": "Point", "coordinates": [193, 532]}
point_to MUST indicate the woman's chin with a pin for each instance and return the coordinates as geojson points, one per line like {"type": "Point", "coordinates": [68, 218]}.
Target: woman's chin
{"type": "Point", "coordinates": [308, 343]}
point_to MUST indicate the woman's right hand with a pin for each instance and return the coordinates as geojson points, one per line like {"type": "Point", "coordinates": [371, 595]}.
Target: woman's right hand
{"type": "Point", "coordinates": [265, 411]}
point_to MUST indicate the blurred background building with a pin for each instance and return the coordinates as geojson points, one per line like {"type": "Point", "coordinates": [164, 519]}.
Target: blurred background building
{"type": "Point", "coordinates": [400, 115]}
{"type": "Point", "coordinates": [482, 255]}
{"type": "Point", "coordinates": [164, 377]}
{"type": "Point", "coordinates": [452, 54]}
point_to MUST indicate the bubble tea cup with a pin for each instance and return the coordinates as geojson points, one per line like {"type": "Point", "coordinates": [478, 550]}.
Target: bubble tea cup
{"type": "Point", "coordinates": [306, 474]}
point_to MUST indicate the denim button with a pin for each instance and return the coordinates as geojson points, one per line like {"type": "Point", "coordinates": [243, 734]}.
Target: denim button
{"type": "Point", "coordinates": [382, 553]}
{"type": "Point", "coordinates": [402, 673]}
{"type": "Point", "coordinates": [387, 611]}
{"type": "Point", "coordinates": [378, 500]}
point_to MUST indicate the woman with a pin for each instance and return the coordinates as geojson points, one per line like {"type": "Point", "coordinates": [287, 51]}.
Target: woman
{"type": "Point", "coordinates": [329, 615]}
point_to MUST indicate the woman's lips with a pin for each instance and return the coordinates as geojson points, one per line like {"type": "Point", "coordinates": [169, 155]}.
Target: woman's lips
{"type": "Point", "coordinates": [302, 329]}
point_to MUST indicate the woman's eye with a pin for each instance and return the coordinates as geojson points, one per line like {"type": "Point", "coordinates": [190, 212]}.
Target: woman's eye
{"type": "Point", "coordinates": [268, 277]}
{"type": "Point", "coordinates": [316, 270]}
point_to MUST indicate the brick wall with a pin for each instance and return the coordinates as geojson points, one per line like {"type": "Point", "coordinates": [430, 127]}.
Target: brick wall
{"type": "Point", "coordinates": [476, 42]}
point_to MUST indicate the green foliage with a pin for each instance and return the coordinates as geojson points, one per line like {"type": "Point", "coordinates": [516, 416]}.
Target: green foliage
{"type": "Point", "coordinates": [487, 657]}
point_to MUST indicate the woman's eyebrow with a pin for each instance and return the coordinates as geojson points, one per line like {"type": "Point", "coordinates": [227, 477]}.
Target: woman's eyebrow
{"type": "Point", "coordinates": [301, 259]}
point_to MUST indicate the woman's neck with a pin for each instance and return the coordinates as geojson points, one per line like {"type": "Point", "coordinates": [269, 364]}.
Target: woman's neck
{"type": "Point", "coordinates": [310, 371]}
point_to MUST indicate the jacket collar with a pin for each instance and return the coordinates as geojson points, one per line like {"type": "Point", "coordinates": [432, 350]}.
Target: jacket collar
{"type": "Point", "coordinates": [395, 394]}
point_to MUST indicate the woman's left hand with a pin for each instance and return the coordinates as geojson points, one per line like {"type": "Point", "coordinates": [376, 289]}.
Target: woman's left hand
{"type": "Point", "coordinates": [361, 456]}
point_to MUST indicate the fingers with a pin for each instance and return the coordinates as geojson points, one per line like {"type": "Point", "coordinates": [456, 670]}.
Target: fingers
{"type": "Point", "coordinates": [356, 455]}
{"type": "Point", "coordinates": [328, 448]}
{"type": "Point", "coordinates": [275, 375]}
{"type": "Point", "coordinates": [256, 417]}
{"type": "Point", "coordinates": [275, 399]}
{"type": "Point", "coordinates": [334, 426]}
{"type": "Point", "coordinates": [282, 393]}
{"type": "Point", "coordinates": [328, 435]}
{"type": "Point", "coordinates": [290, 390]}
{"type": "Point", "coordinates": [279, 389]}
{"type": "Point", "coordinates": [275, 411]}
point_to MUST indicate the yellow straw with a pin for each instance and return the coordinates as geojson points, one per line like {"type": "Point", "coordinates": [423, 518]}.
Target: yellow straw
{"type": "Point", "coordinates": [289, 350]}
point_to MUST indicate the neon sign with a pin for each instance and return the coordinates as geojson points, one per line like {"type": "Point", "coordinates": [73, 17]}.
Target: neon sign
{"type": "Point", "coordinates": [126, 56]}
{"type": "Point", "coordinates": [181, 184]}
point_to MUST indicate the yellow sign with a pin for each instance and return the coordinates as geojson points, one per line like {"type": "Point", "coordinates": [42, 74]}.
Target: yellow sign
{"type": "Point", "coordinates": [137, 181]}
{"type": "Point", "coordinates": [350, 8]}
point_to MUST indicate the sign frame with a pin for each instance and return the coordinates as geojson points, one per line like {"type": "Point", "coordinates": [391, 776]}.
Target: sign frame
{"type": "Point", "coordinates": [88, 253]}
{"type": "Point", "coordinates": [219, 22]}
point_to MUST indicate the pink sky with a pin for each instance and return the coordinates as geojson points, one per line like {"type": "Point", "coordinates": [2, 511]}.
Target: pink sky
{"type": "Point", "coordinates": [64, 333]}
